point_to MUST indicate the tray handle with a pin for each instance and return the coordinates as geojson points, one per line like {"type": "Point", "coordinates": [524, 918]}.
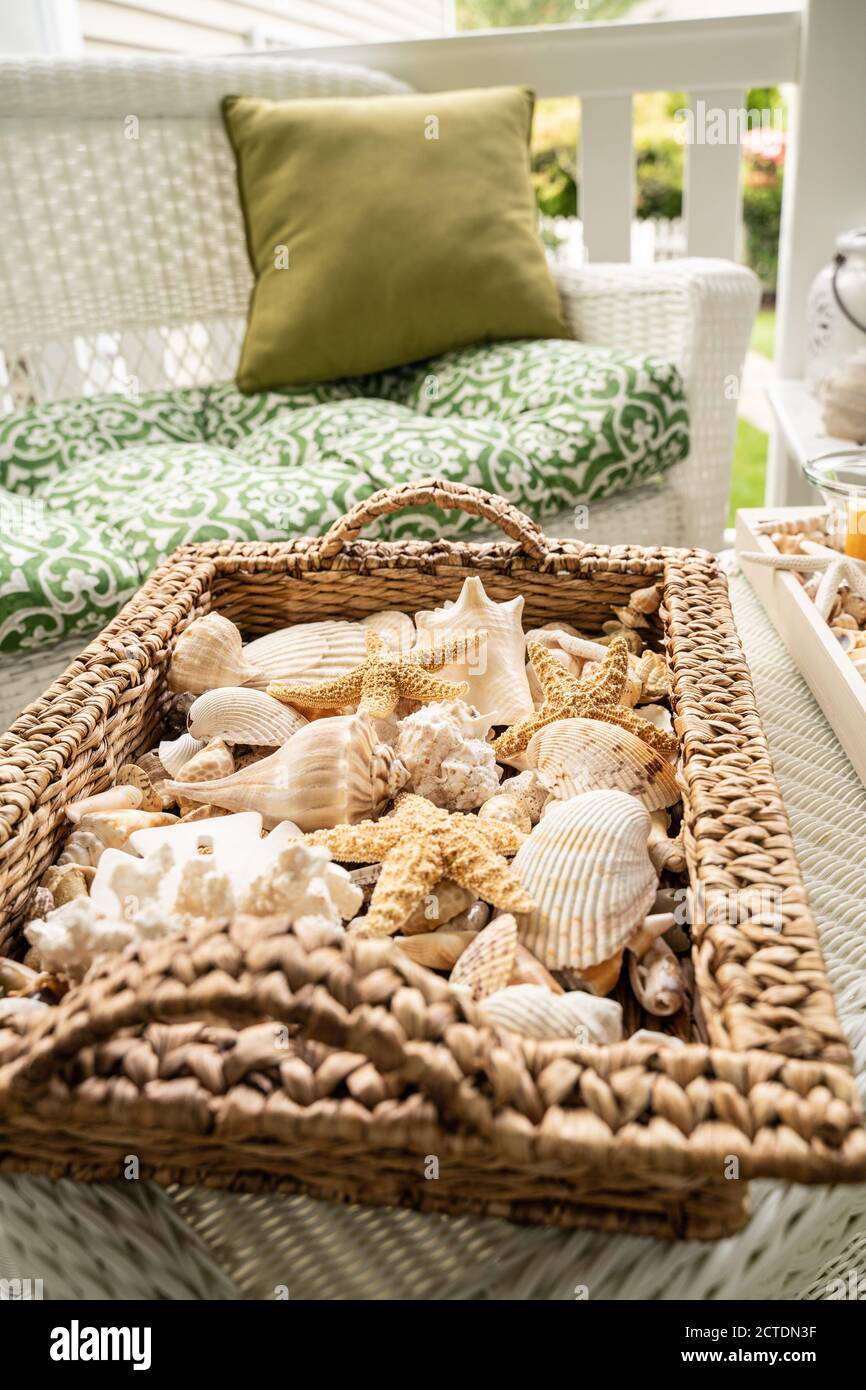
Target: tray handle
{"type": "Point", "coordinates": [450, 495]}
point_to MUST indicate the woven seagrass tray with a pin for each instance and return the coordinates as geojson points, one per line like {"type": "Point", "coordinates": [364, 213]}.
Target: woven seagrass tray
{"type": "Point", "coordinates": [170, 1052]}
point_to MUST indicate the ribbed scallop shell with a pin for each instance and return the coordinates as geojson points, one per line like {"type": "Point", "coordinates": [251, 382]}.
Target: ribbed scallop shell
{"type": "Point", "coordinates": [534, 1012]}
{"type": "Point", "coordinates": [240, 714]}
{"type": "Point", "coordinates": [331, 772]}
{"type": "Point", "coordinates": [438, 950]}
{"type": "Point", "coordinates": [175, 753]}
{"type": "Point", "coordinates": [486, 966]}
{"type": "Point", "coordinates": [209, 653]}
{"type": "Point", "coordinates": [497, 679]}
{"type": "Point", "coordinates": [394, 627]}
{"type": "Point", "coordinates": [309, 652]}
{"type": "Point", "coordinates": [587, 866]}
{"type": "Point", "coordinates": [582, 755]}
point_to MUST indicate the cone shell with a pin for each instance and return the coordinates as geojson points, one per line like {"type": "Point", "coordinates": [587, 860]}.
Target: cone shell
{"type": "Point", "coordinates": [114, 799]}
{"type": "Point", "coordinates": [487, 965]}
{"type": "Point", "coordinates": [497, 679]}
{"type": "Point", "coordinates": [331, 772]}
{"type": "Point", "coordinates": [238, 714]}
{"type": "Point", "coordinates": [438, 950]}
{"type": "Point", "coordinates": [307, 652]}
{"type": "Point", "coordinates": [534, 1012]}
{"type": "Point", "coordinates": [209, 653]}
{"type": "Point", "coordinates": [587, 867]}
{"type": "Point", "coordinates": [174, 754]}
{"type": "Point", "coordinates": [581, 755]}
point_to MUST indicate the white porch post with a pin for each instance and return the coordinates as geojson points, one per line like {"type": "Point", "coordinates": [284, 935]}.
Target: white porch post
{"type": "Point", "coordinates": [41, 26]}
{"type": "Point", "coordinates": [825, 189]}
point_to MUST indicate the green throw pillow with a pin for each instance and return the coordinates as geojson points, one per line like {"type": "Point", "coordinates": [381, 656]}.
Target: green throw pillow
{"type": "Point", "coordinates": [383, 230]}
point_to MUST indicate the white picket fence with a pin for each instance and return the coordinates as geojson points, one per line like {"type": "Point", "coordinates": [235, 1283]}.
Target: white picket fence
{"type": "Point", "coordinates": [652, 239]}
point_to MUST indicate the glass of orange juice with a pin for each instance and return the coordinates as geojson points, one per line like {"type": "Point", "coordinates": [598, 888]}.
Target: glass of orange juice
{"type": "Point", "coordinates": [841, 478]}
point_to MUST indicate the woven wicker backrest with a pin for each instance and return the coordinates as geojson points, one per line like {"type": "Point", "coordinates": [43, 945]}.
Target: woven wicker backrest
{"type": "Point", "coordinates": [122, 258]}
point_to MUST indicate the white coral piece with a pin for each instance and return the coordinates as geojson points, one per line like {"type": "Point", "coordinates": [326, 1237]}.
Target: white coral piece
{"type": "Point", "coordinates": [202, 891]}
{"type": "Point", "coordinates": [303, 882]}
{"type": "Point", "coordinates": [73, 936]}
{"type": "Point", "coordinates": [444, 749]}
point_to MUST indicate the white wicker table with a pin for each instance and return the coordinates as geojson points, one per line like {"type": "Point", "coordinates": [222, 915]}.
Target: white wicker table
{"type": "Point", "coordinates": [132, 1240]}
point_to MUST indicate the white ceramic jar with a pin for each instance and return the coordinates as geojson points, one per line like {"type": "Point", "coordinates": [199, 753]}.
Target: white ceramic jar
{"type": "Point", "coordinates": [836, 314]}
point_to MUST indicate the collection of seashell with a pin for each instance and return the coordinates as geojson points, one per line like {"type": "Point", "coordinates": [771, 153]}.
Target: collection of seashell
{"type": "Point", "coordinates": [505, 805]}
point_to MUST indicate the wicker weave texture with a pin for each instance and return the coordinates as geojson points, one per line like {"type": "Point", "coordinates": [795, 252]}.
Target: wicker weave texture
{"type": "Point", "coordinates": [171, 1043]}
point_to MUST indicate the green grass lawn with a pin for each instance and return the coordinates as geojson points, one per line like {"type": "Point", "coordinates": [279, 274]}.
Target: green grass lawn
{"type": "Point", "coordinates": [750, 451]}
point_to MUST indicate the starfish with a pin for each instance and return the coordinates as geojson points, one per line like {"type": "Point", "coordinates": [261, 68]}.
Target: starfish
{"type": "Point", "coordinates": [568, 697]}
{"type": "Point", "coordinates": [379, 682]}
{"type": "Point", "coordinates": [418, 844]}
{"type": "Point", "coordinates": [837, 569]}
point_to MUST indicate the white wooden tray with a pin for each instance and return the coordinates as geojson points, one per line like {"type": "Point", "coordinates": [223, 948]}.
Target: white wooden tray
{"type": "Point", "coordinates": [834, 681]}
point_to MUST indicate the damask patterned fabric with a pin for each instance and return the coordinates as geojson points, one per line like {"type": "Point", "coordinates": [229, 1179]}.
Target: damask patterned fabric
{"type": "Point", "coordinates": [96, 492]}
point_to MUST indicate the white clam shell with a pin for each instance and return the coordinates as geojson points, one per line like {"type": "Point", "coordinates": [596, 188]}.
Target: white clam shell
{"type": "Point", "coordinates": [331, 772]}
{"type": "Point", "coordinates": [587, 866]}
{"type": "Point", "coordinates": [535, 1012]}
{"type": "Point", "coordinates": [497, 676]}
{"type": "Point", "coordinates": [209, 653]}
{"type": "Point", "coordinates": [307, 652]}
{"type": "Point", "coordinates": [175, 753]}
{"type": "Point", "coordinates": [239, 714]}
{"type": "Point", "coordinates": [581, 755]}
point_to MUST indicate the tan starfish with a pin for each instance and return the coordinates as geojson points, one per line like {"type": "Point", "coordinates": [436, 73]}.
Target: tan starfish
{"type": "Point", "coordinates": [419, 844]}
{"type": "Point", "coordinates": [568, 697]}
{"type": "Point", "coordinates": [387, 676]}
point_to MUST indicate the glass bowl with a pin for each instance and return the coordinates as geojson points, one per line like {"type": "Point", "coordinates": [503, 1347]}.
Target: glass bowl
{"type": "Point", "coordinates": [841, 478]}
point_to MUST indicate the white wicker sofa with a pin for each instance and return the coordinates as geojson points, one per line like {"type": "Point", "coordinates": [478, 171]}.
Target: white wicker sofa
{"type": "Point", "coordinates": [123, 268]}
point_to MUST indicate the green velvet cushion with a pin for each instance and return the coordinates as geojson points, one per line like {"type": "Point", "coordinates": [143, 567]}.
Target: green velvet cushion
{"type": "Point", "coordinates": [384, 230]}
{"type": "Point", "coordinates": [102, 489]}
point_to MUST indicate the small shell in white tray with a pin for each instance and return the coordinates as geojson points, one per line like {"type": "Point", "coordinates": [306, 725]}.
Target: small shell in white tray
{"type": "Point", "coordinates": [843, 395]}
{"type": "Point", "coordinates": [239, 714]}
{"type": "Point", "coordinates": [394, 627]}
{"type": "Point", "coordinates": [114, 799]}
{"type": "Point", "coordinates": [175, 753]}
{"type": "Point", "coordinates": [534, 1012]}
{"type": "Point", "coordinates": [209, 653]}
{"type": "Point", "coordinates": [581, 755]}
{"type": "Point", "coordinates": [497, 677]}
{"type": "Point", "coordinates": [587, 867]}
{"type": "Point", "coordinates": [307, 652]}
{"type": "Point", "coordinates": [445, 762]}
{"type": "Point", "coordinates": [331, 772]}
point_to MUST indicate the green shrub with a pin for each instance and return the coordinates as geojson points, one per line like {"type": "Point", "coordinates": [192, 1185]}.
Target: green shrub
{"type": "Point", "coordinates": [762, 209]}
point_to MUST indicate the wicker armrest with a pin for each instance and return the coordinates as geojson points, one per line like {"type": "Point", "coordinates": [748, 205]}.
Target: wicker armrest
{"type": "Point", "coordinates": [698, 313]}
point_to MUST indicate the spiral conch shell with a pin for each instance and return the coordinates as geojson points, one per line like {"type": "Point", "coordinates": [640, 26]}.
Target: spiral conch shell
{"type": "Point", "coordinates": [306, 652]}
{"type": "Point", "coordinates": [239, 714]}
{"type": "Point", "coordinates": [445, 751]}
{"type": "Point", "coordinates": [209, 653]}
{"type": "Point", "coordinates": [331, 772]}
{"type": "Point", "coordinates": [581, 755]}
{"type": "Point", "coordinates": [587, 866]}
{"type": "Point", "coordinates": [497, 679]}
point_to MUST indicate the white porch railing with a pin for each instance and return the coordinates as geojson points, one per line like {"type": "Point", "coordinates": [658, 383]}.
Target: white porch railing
{"type": "Point", "coordinates": [818, 46]}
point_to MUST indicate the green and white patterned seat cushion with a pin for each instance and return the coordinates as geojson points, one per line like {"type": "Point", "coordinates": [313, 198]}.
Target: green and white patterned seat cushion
{"type": "Point", "coordinates": [101, 489]}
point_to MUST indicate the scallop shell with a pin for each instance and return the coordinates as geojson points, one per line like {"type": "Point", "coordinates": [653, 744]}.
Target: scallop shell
{"type": "Point", "coordinates": [497, 677]}
{"type": "Point", "coordinates": [587, 866]}
{"type": "Point", "coordinates": [209, 653]}
{"type": "Point", "coordinates": [309, 652]}
{"type": "Point", "coordinates": [582, 755]}
{"type": "Point", "coordinates": [114, 799]}
{"type": "Point", "coordinates": [486, 966]}
{"type": "Point", "coordinates": [176, 753]}
{"type": "Point", "coordinates": [396, 628]}
{"type": "Point", "coordinates": [534, 1012]}
{"type": "Point", "coordinates": [239, 714]}
{"type": "Point", "coordinates": [331, 772]}
{"type": "Point", "coordinates": [509, 809]}
{"type": "Point", "coordinates": [438, 950]}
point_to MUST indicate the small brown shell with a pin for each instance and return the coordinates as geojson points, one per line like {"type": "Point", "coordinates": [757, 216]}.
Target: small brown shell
{"type": "Point", "coordinates": [67, 881]}
{"type": "Point", "coordinates": [446, 901]}
{"type": "Point", "coordinates": [529, 971]}
{"type": "Point", "coordinates": [486, 966]}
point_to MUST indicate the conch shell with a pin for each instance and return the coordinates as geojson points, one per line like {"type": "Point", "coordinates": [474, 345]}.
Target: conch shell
{"type": "Point", "coordinates": [657, 979]}
{"type": "Point", "coordinates": [306, 653]}
{"type": "Point", "coordinates": [239, 714]}
{"type": "Point", "coordinates": [581, 755]}
{"type": "Point", "coordinates": [497, 677]}
{"type": "Point", "coordinates": [587, 867]}
{"type": "Point", "coordinates": [444, 750]}
{"type": "Point", "coordinates": [209, 653]}
{"type": "Point", "coordinates": [331, 772]}
{"type": "Point", "coordinates": [534, 1012]}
